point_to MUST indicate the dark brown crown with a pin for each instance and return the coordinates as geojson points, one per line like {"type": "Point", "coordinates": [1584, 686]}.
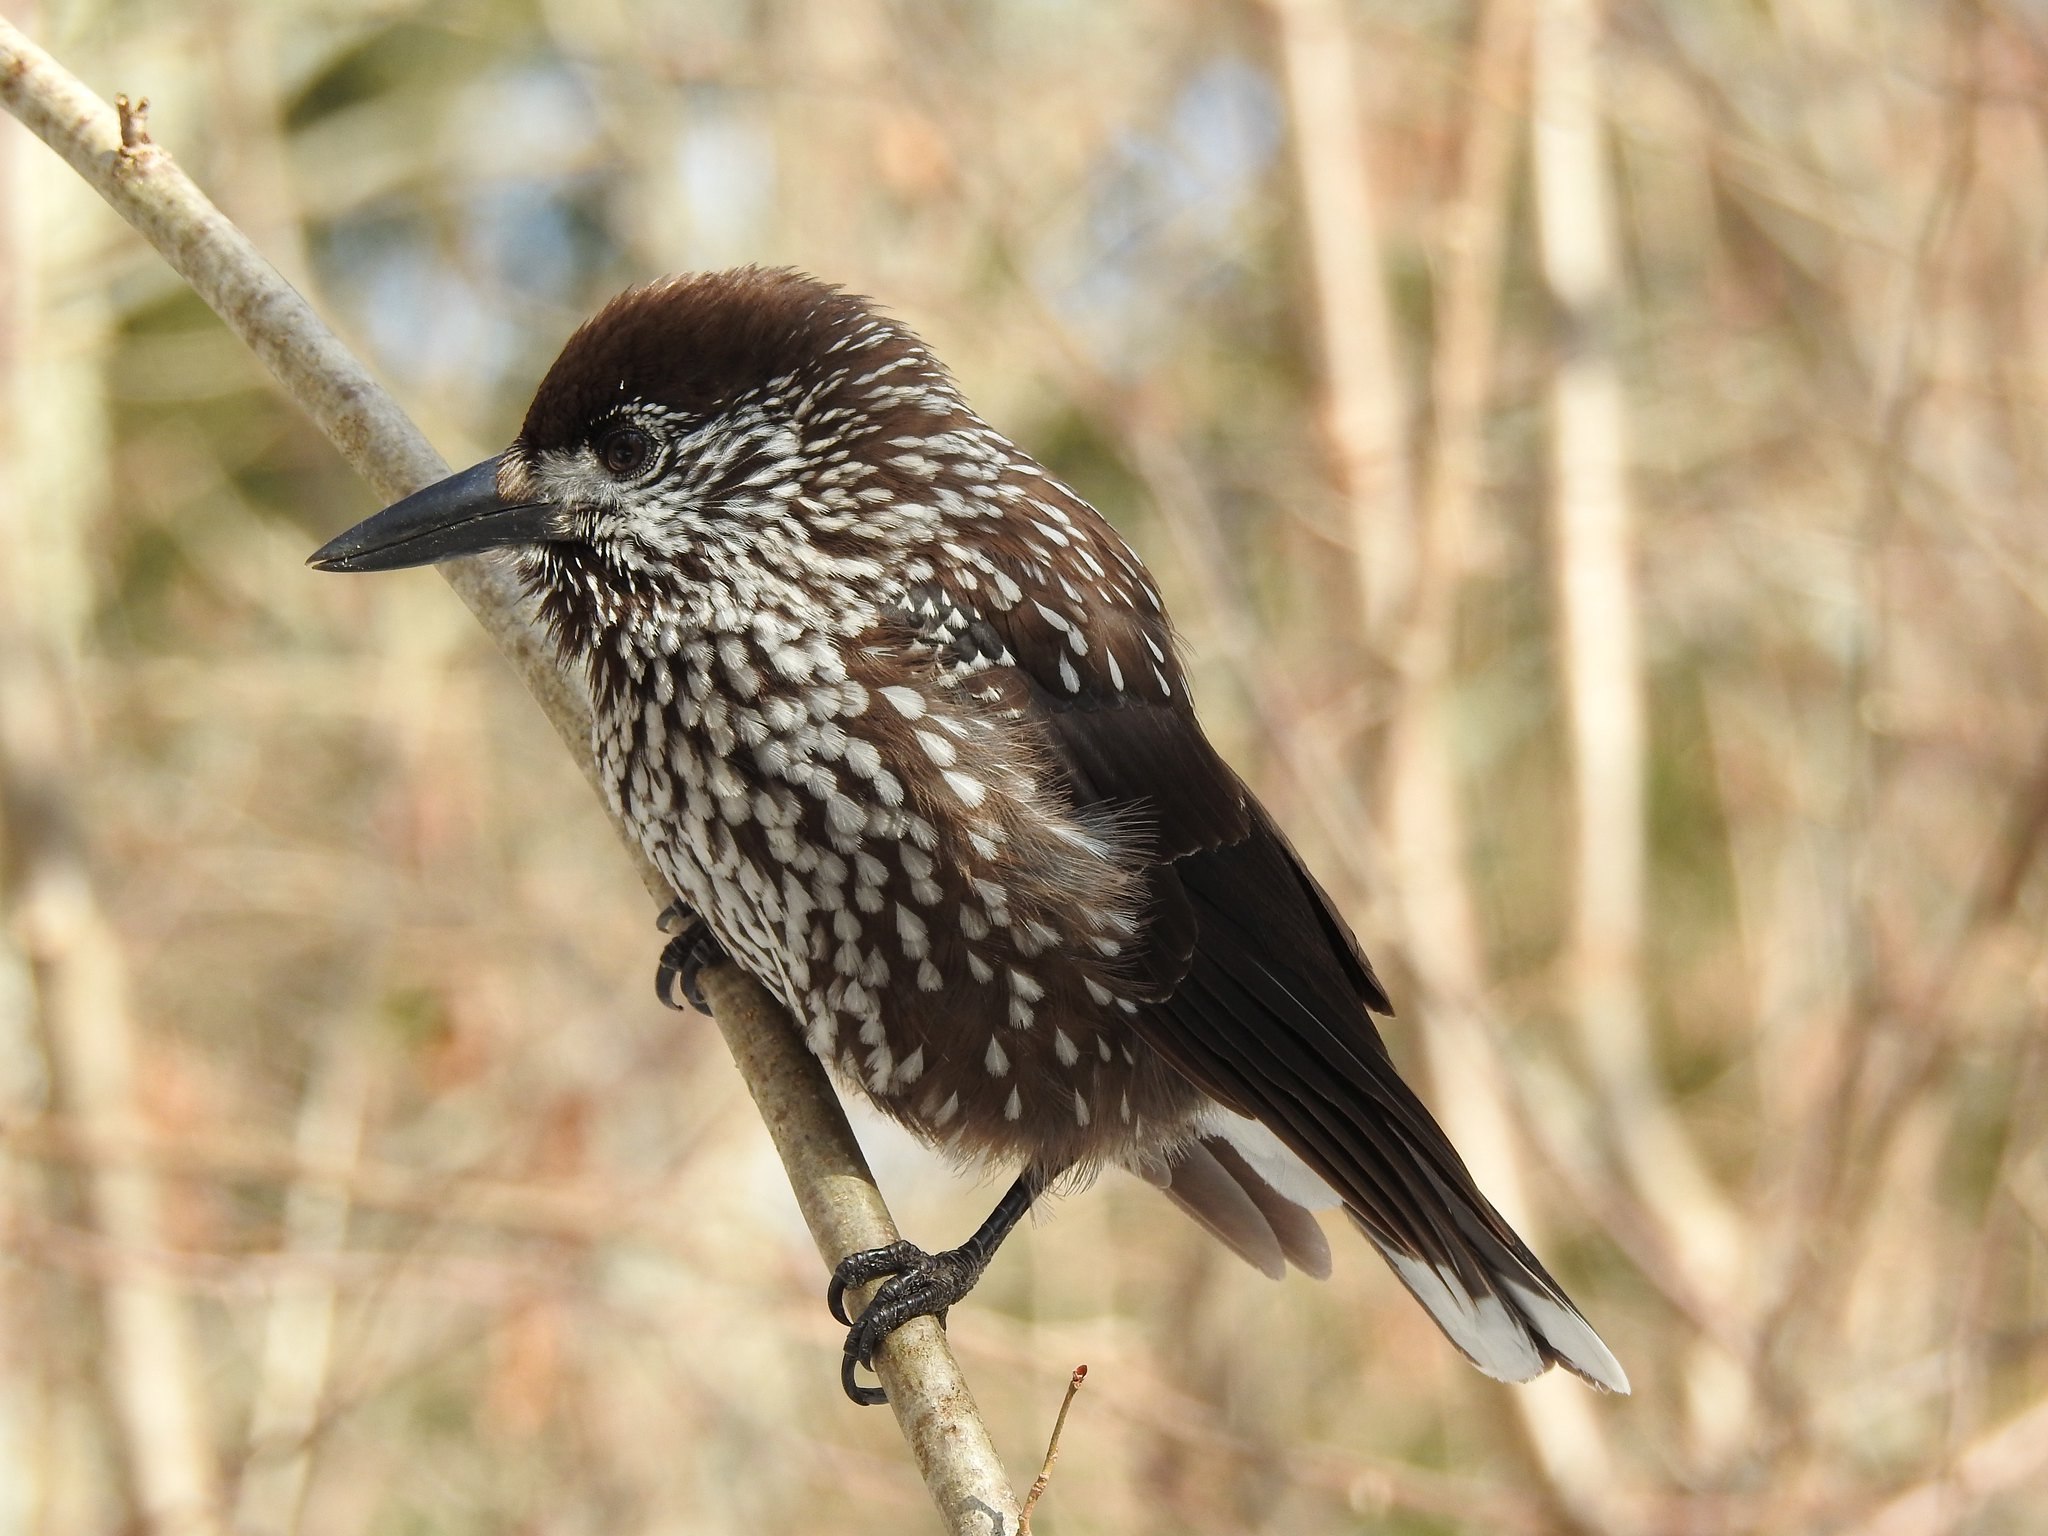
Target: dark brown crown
{"type": "Point", "coordinates": [691, 344]}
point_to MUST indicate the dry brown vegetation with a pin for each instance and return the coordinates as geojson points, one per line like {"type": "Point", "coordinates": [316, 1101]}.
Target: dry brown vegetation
{"type": "Point", "coordinates": [1595, 455]}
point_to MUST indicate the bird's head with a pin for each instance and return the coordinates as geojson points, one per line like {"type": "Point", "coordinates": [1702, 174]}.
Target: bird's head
{"type": "Point", "coordinates": [705, 430]}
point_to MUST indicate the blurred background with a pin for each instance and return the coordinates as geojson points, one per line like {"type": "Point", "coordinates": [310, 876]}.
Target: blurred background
{"type": "Point", "coordinates": [1595, 456]}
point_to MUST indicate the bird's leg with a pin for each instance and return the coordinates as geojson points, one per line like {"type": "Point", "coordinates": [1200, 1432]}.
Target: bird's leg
{"type": "Point", "coordinates": [691, 947]}
{"type": "Point", "coordinates": [920, 1284]}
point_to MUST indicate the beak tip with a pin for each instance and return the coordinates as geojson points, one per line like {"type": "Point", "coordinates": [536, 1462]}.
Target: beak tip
{"type": "Point", "coordinates": [327, 558]}
{"type": "Point", "coordinates": [460, 515]}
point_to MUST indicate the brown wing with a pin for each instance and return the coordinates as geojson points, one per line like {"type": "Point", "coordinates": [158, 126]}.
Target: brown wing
{"type": "Point", "coordinates": [1258, 991]}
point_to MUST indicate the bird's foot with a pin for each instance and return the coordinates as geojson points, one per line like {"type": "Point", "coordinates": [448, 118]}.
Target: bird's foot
{"type": "Point", "coordinates": [920, 1284]}
{"type": "Point", "coordinates": [691, 948]}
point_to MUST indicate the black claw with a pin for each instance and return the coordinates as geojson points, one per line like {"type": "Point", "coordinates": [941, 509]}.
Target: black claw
{"type": "Point", "coordinates": [919, 1284]}
{"type": "Point", "coordinates": [676, 917]}
{"type": "Point", "coordinates": [863, 1397]}
{"type": "Point", "coordinates": [684, 958]}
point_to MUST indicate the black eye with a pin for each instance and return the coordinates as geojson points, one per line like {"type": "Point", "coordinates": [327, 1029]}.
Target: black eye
{"type": "Point", "coordinates": [625, 451]}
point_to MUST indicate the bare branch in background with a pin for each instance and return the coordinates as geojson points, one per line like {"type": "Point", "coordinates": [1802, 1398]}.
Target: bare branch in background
{"type": "Point", "coordinates": [838, 1197]}
{"type": "Point", "coordinates": [2006, 1458]}
{"type": "Point", "coordinates": [1425, 815]}
{"type": "Point", "coordinates": [1364, 404]}
{"type": "Point", "coordinates": [1599, 612]}
{"type": "Point", "coordinates": [97, 1058]}
{"type": "Point", "coordinates": [299, 1327]}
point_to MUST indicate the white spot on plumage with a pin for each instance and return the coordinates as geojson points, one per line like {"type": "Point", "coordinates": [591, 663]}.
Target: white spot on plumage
{"type": "Point", "coordinates": [996, 1059]}
{"type": "Point", "coordinates": [1069, 678]}
{"type": "Point", "coordinates": [1035, 938]}
{"type": "Point", "coordinates": [844, 817]}
{"type": "Point", "coordinates": [1064, 1047]}
{"type": "Point", "coordinates": [1013, 1107]}
{"type": "Point", "coordinates": [937, 748]}
{"type": "Point", "coordinates": [907, 702]}
{"type": "Point", "coordinates": [881, 1068]}
{"type": "Point", "coordinates": [981, 970]}
{"type": "Point", "coordinates": [910, 928]}
{"type": "Point", "coordinates": [970, 789]}
{"type": "Point", "coordinates": [1097, 992]}
{"type": "Point", "coordinates": [739, 667]}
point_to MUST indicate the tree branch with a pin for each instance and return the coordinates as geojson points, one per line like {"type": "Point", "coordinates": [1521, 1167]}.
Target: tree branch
{"type": "Point", "coordinates": [833, 1187]}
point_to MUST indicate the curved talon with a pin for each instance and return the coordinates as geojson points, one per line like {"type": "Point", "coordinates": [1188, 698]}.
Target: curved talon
{"type": "Point", "coordinates": [863, 1397]}
{"type": "Point", "coordinates": [683, 960]}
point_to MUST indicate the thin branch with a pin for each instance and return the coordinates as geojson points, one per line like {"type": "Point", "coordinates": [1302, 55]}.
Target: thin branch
{"type": "Point", "coordinates": [1052, 1452]}
{"type": "Point", "coordinates": [833, 1187]}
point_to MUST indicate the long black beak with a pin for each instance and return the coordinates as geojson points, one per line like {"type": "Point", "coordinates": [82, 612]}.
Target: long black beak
{"type": "Point", "coordinates": [462, 515]}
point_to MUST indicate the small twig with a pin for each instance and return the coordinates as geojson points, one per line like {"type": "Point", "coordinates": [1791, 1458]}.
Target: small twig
{"type": "Point", "coordinates": [1052, 1452]}
{"type": "Point", "coordinates": [134, 124]}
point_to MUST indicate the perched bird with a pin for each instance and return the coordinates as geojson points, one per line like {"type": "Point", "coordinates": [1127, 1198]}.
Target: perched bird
{"type": "Point", "coordinates": [899, 717]}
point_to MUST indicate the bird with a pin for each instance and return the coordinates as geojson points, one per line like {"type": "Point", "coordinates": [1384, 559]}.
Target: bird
{"type": "Point", "coordinates": [904, 723]}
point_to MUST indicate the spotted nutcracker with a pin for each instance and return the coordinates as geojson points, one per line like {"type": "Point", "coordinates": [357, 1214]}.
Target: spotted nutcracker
{"type": "Point", "coordinates": [900, 718]}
